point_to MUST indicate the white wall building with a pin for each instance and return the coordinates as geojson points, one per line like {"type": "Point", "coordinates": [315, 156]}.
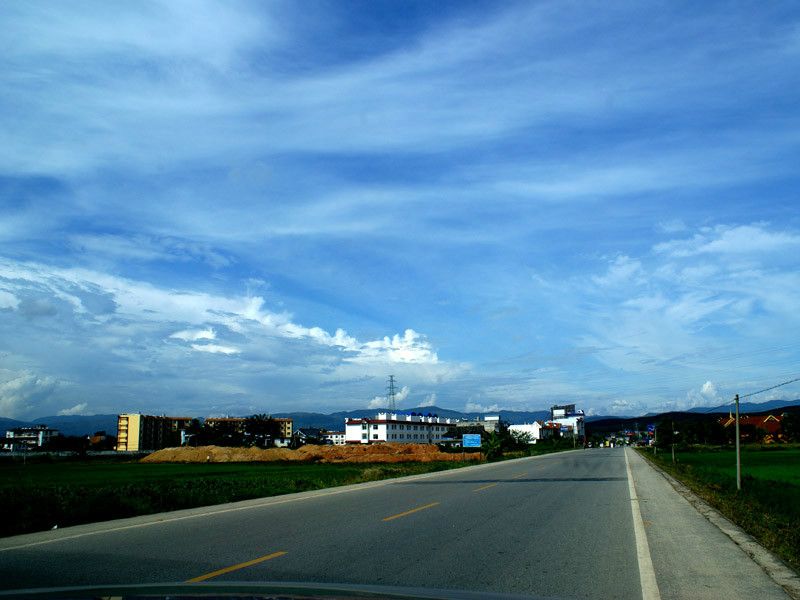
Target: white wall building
{"type": "Point", "coordinates": [336, 437]}
{"type": "Point", "coordinates": [401, 428]}
{"type": "Point", "coordinates": [30, 437]}
{"type": "Point", "coordinates": [567, 416]}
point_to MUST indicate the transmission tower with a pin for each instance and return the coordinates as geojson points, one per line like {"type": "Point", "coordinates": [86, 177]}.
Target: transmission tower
{"type": "Point", "coordinates": [391, 393]}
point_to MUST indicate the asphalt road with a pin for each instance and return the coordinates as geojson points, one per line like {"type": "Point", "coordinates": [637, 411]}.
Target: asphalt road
{"type": "Point", "coordinates": [558, 525]}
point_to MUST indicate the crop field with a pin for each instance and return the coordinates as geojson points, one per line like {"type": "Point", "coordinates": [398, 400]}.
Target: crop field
{"type": "Point", "coordinates": [47, 492]}
{"type": "Point", "coordinates": [767, 507]}
{"type": "Point", "coordinates": [773, 465]}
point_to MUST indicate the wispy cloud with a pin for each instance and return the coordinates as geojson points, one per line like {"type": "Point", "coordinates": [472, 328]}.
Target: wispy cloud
{"type": "Point", "coordinates": [256, 202]}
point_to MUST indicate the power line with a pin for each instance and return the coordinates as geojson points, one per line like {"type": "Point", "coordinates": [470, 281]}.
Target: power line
{"type": "Point", "coordinates": [770, 388]}
{"type": "Point", "coordinates": [754, 393]}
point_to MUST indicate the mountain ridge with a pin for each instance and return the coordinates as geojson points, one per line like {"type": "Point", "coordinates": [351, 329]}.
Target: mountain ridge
{"type": "Point", "coordinates": [88, 424]}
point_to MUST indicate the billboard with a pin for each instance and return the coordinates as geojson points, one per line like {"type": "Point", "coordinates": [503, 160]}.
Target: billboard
{"type": "Point", "coordinates": [471, 440]}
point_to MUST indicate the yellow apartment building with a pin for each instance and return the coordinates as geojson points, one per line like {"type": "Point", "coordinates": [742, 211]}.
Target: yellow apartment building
{"type": "Point", "coordinates": [137, 433]}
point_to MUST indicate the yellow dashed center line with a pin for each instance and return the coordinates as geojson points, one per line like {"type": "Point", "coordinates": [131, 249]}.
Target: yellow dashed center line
{"type": "Point", "coordinates": [540, 468]}
{"type": "Point", "coordinates": [486, 486]}
{"type": "Point", "coordinates": [518, 476]}
{"type": "Point", "coordinates": [408, 512]}
{"type": "Point", "coordinates": [235, 567]}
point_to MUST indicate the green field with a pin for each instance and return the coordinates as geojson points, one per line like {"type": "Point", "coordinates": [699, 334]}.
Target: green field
{"type": "Point", "coordinates": [44, 492]}
{"type": "Point", "coordinates": [767, 506]}
{"type": "Point", "coordinates": [773, 465]}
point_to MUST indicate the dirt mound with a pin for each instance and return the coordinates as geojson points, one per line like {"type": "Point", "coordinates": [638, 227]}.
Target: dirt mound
{"type": "Point", "coordinates": [381, 453]}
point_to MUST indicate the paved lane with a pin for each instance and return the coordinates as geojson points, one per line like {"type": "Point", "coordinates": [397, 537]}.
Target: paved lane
{"type": "Point", "coordinates": [554, 525]}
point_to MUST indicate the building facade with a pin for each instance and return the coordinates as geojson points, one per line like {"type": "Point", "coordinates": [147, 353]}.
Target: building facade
{"type": "Point", "coordinates": [239, 425]}
{"type": "Point", "coordinates": [139, 433]}
{"type": "Point", "coordinates": [22, 438]}
{"type": "Point", "coordinates": [337, 438]}
{"type": "Point", "coordinates": [402, 428]}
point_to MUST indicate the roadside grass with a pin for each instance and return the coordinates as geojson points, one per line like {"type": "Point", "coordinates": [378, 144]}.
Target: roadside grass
{"type": "Point", "coordinates": [768, 505]}
{"type": "Point", "coordinates": [48, 492]}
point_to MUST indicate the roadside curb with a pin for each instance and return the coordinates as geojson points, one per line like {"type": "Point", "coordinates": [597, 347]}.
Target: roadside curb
{"type": "Point", "coordinates": [774, 567]}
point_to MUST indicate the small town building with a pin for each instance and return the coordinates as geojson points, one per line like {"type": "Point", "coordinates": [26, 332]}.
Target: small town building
{"type": "Point", "coordinates": [26, 438]}
{"type": "Point", "coordinates": [403, 428]}
{"type": "Point", "coordinates": [334, 437]}
{"type": "Point", "coordinates": [769, 424]}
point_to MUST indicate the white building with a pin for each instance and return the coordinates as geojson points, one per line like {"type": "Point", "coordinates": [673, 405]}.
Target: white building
{"type": "Point", "coordinates": [567, 416]}
{"type": "Point", "coordinates": [401, 428]}
{"type": "Point", "coordinates": [541, 430]}
{"type": "Point", "coordinates": [29, 437]}
{"type": "Point", "coordinates": [336, 437]}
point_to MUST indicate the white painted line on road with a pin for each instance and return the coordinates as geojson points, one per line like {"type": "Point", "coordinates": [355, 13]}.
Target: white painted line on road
{"type": "Point", "coordinates": [647, 575]}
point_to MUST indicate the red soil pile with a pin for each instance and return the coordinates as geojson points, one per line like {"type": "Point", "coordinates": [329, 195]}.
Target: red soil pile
{"type": "Point", "coordinates": [378, 453]}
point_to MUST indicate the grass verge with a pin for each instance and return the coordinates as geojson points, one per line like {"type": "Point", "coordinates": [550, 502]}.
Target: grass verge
{"type": "Point", "coordinates": [766, 508]}
{"type": "Point", "coordinates": [40, 494]}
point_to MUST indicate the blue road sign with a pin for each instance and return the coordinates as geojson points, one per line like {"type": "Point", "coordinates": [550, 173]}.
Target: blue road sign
{"type": "Point", "coordinates": [651, 428]}
{"type": "Point", "coordinates": [471, 440]}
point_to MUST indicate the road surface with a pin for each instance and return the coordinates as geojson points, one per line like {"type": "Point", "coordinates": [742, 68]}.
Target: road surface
{"type": "Point", "coordinates": [561, 525]}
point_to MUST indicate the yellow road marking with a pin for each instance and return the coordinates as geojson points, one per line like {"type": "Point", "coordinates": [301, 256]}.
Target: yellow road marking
{"type": "Point", "coordinates": [235, 567]}
{"type": "Point", "coordinates": [486, 486]}
{"type": "Point", "coordinates": [408, 512]}
{"type": "Point", "coordinates": [540, 468]}
{"type": "Point", "coordinates": [518, 476]}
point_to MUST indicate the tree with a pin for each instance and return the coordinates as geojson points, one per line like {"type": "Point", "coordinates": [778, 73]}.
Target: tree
{"type": "Point", "coordinates": [493, 446]}
{"type": "Point", "coordinates": [261, 430]}
{"type": "Point", "coordinates": [790, 427]}
{"type": "Point", "coordinates": [666, 433]}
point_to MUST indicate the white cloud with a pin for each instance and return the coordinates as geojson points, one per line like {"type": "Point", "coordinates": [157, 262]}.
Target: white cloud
{"type": "Point", "coordinates": [378, 402]}
{"type": "Point", "coordinates": [383, 401]}
{"type": "Point", "coordinates": [21, 396]}
{"type": "Point", "coordinates": [193, 336]}
{"type": "Point", "coordinates": [78, 409]}
{"type": "Point", "coordinates": [707, 395]}
{"type": "Point", "coordinates": [732, 240]}
{"type": "Point", "coordinates": [214, 349]}
{"type": "Point", "coordinates": [621, 271]}
{"type": "Point", "coordinates": [145, 303]}
{"type": "Point", "coordinates": [480, 408]}
{"type": "Point", "coordinates": [8, 300]}
{"type": "Point", "coordinates": [430, 400]}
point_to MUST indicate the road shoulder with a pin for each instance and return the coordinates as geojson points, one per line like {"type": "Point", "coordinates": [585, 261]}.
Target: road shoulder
{"type": "Point", "coordinates": [692, 555]}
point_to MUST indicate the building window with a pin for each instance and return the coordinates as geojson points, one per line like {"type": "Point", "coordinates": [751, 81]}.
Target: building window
{"type": "Point", "coordinates": [363, 436]}
{"type": "Point", "coordinates": [374, 436]}
{"type": "Point", "coordinates": [363, 426]}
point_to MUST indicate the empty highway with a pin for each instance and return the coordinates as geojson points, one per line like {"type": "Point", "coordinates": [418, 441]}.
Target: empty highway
{"type": "Point", "coordinates": [597, 523]}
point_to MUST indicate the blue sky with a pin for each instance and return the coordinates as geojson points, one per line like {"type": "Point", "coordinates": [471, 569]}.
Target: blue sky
{"type": "Point", "coordinates": [213, 208]}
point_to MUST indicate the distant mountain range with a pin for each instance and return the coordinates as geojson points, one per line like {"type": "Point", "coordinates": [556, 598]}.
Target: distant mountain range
{"type": "Point", "coordinates": [86, 425]}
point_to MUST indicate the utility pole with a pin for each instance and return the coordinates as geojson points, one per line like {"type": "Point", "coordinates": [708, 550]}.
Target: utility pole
{"type": "Point", "coordinates": [391, 394]}
{"type": "Point", "coordinates": [738, 451]}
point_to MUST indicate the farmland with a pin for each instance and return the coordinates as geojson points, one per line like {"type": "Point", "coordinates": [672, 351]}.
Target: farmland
{"type": "Point", "coordinates": [46, 492]}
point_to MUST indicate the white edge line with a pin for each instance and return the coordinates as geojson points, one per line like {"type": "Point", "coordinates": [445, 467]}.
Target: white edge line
{"type": "Point", "coordinates": [647, 575]}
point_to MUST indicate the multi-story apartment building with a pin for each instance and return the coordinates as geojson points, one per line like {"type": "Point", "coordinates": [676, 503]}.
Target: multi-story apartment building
{"type": "Point", "coordinates": [239, 423]}
{"type": "Point", "coordinates": [402, 428]}
{"type": "Point", "coordinates": [137, 433]}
